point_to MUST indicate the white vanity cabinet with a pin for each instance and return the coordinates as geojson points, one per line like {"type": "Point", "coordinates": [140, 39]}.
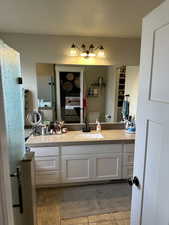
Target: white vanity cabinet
{"type": "Point", "coordinates": [47, 165]}
{"type": "Point", "coordinates": [83, 163]}
{"type": "Point", "coordinates": [91, 162]}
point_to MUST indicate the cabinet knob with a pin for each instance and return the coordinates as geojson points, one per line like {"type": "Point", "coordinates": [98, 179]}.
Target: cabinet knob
{"type": "Point", "coordinates": [134, 180]}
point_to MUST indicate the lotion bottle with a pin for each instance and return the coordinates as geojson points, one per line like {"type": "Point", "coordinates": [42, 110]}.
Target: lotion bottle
{"type": "Point", "coordinates": [98, 126]}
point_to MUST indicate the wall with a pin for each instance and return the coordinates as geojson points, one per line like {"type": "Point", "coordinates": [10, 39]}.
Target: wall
{"type": "Point", "coordinates": [44, 72]}
{"type": "Point", "coordinates": [131, 87]}
{"type": "Point", "coordinates": [54, 49]}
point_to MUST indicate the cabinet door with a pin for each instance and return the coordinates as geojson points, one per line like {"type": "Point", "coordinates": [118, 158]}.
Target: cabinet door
{"type": "Point", "coordinates": [107, 166]}
{"type": "Point", "coordinates": [76, 168]}
{"type": "Point", "coordinates": [128, 161]}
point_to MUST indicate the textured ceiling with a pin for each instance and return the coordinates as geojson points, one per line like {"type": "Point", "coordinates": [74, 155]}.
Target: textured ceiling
{"type": "Point", "coordinates": [104, 18]}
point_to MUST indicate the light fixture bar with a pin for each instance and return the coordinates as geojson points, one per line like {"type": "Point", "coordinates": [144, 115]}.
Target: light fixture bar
{"type": "Point", "coordinates": [92, 51]}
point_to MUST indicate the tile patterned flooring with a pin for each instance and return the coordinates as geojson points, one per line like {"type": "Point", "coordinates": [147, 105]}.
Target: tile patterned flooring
{"type": "Point", "coordinates": [48, 213]}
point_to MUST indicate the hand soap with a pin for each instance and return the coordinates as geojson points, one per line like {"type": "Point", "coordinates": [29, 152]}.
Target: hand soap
{"type": "Point", "coordinates": [98, 127]}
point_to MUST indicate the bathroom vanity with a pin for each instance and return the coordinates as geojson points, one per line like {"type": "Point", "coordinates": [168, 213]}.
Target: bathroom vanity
{"type": "Point", "coordinates": [82, 157]}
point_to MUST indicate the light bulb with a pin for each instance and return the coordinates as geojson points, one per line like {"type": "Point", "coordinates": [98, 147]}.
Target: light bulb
{"type": "Point", "coordinates": [73, 50]}
{"type": "Point", "coordinates": [101, 52]}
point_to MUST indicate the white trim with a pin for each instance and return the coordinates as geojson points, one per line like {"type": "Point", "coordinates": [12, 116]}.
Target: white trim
{"type": "Point", "coordinates": [6, 210]}
{"type": "Point", "coordinates": [71, 69]}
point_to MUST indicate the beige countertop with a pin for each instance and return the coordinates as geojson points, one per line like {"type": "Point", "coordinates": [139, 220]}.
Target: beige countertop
{"type": "Point", "coordinates": [78, 138]}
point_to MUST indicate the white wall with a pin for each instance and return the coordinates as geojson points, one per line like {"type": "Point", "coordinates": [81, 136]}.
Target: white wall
{"type": "Point", "coordinates": [54, 49]}
{"type": "Point", "coordinates": [131, 87]}
{"type": "Point", "coordinates": [44, 72]}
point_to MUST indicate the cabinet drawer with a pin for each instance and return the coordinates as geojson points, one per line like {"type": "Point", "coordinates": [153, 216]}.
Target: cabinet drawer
{"type": "Point", "coordinates": [128, 159]}
{"type": "Point", "coordinates": [129, 147]}
{"type": "Point", "coordinates": [45, 151]}
{"type": "Point", "coordinates": [127, 172]}
{"type": "Point", "coordinates": [91, 149]}
{"type": "Point", "coordinates": [46, 178]}
{"type": "Point", "coordinates": [47, 163]}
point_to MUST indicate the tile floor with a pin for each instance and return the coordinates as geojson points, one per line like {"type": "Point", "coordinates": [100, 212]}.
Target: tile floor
{"type": "Point", "coordinates": [48, 213]}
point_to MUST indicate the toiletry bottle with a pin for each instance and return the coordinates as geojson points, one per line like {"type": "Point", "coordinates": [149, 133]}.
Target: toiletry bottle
{"type": "Point", "coordinates": [42, 129]}
{"type": "Point", "coordinates": [98, 127]}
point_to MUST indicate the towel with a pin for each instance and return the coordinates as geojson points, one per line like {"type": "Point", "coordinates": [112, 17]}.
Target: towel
{"type": "Point", "coordinates": [125, 109]}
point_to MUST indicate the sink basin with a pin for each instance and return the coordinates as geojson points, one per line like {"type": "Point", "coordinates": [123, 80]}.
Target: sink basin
{"type": "Point", "coordinates": [94, 136]}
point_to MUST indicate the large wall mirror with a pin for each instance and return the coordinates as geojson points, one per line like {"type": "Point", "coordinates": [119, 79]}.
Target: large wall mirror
{"type": "Point", "coordinates": [74, 93]}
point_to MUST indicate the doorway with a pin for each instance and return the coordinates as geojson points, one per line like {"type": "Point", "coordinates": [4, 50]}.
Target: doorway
{"type": "Point", "coordinates": [69, 92]}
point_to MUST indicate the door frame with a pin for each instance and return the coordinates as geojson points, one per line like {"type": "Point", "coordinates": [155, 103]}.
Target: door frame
{"type": "Point", "coordinates": [6, 210]}
{"type": "Point", "coordinates": [59, 69]}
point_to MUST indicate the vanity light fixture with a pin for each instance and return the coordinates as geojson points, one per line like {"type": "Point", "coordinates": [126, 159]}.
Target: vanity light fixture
{"type": "Point", "coordinates": [85, 52]}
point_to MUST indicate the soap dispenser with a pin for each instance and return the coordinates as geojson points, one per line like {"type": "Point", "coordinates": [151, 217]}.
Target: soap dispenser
{"type": "Point", "coordinates": [98, 126]}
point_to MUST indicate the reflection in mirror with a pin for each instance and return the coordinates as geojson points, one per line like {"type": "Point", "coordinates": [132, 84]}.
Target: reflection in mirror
{"type": "Point", "coordinates": [34, 118]}
{"type": "Point", "coordinates": [95, 80]}
{"type": "Point", "coordinates": [46, 90]}
{"type": "Point", "coordinates": [69, 86]}
{"type": "Point", "coordinates": [73, 93]}
{"type": "Point", "coordinates": [70, 96]}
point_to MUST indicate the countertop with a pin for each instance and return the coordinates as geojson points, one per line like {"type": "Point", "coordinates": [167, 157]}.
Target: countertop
{"type": "Point", "coordinates": [78, 138]}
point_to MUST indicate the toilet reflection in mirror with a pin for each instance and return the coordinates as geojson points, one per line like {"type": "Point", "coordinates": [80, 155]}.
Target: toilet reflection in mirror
{"type": "Point", "coordinates": [73, 93]}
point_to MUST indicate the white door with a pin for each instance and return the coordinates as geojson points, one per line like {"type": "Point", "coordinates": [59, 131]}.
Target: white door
{"type": "Point", "coordinates": [12, 145]}
{"type": "Point", "coordinates": [150, 202]}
